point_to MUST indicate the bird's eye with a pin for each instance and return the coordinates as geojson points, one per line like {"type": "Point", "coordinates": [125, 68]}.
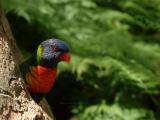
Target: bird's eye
{"type": "Point", "coordinates": [55, 49]}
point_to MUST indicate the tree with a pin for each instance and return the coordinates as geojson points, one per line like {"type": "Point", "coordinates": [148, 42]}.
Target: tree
{"type": "Point", "coordinates": [15, 101]}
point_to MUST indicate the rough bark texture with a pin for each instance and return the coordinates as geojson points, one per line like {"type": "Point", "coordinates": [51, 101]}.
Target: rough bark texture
{"type": "Point", "coordinates": [15, 102]}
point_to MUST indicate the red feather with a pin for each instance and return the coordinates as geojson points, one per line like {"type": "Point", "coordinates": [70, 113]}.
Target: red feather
{"type": "Point", "coordinates": [40, 79]}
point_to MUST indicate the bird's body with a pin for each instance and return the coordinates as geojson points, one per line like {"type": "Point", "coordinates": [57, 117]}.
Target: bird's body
{"type": "Point", "coordinates": [40, 79]}
{"type": "Point", "coordinates": [40, 70]}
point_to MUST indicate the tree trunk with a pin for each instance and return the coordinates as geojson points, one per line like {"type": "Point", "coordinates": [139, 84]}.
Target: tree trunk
{"type": "Point", "coordinates": [15, 101]}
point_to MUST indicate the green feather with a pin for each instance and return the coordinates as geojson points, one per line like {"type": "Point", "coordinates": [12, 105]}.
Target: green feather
{"type": "Point", "coordinates": [32, 61]}
{"type": "Point", "coordinates": [39, 53]}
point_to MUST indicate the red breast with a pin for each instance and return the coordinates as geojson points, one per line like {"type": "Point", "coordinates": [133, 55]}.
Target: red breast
{"type": "Point", "coordinates": [41, 79]}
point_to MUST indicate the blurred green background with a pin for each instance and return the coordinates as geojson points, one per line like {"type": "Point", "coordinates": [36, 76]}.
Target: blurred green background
{"type": "Point", "coordinates": [114, 73]}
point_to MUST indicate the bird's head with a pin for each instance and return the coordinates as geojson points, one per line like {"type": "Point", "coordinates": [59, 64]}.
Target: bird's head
{"type": "Point", "coordinates": [52, 51]}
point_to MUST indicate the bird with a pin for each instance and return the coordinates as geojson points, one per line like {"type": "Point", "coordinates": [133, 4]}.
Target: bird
{"type": "Point", "coordinates": [40, 70]}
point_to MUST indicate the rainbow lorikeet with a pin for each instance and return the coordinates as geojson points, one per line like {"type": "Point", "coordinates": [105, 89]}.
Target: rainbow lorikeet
{"type": "Point", "coordinates": [40, 70]}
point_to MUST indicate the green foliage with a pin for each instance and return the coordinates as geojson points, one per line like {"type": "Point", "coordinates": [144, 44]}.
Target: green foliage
{"type": "Point", "coordinates": [115, 47]}
{"type": "Point", "coordinates": [114, 112]}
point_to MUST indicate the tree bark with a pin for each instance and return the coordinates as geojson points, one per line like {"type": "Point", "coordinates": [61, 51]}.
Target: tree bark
{"type": "Point", "coordinates": [15, 101]}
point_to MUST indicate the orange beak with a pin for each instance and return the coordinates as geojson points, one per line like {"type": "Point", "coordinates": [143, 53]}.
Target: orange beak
{"type": "Point", "coordinates": [65, 57]}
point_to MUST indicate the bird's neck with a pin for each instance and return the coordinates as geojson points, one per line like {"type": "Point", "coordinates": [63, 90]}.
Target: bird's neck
{"type": "Point", "coordinates": [41, 70]}
{"type": "Point", "coordinates": [49, 63]}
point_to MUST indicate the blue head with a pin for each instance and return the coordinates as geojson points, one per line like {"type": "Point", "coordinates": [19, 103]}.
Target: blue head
{"type": "Point", "coordinates": [52, 51]}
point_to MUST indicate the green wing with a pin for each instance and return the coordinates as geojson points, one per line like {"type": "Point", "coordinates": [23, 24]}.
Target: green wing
{"type": "Point", "coordinates": [32, 61]}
